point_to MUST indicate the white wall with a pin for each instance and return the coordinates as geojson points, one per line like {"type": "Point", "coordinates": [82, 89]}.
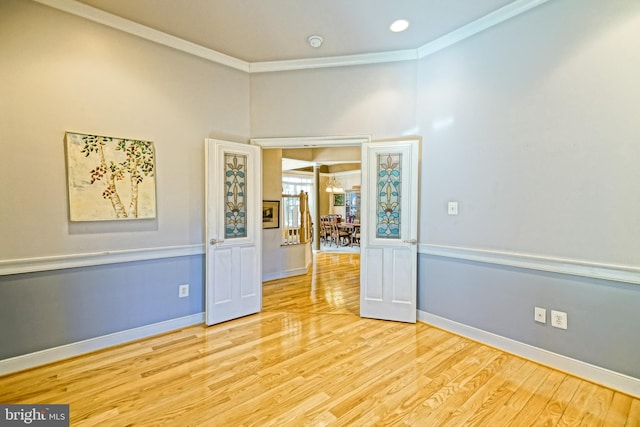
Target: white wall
{"type": "Point", "coordinates": [542, 150]}
{"type": "Point", "coordinates": [373, 99]}
{"type": "Point", "coordinates": [59, 72]}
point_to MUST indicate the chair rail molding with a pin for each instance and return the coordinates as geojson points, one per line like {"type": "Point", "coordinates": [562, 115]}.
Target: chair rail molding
{"type": "Point", "coordinates": [612, 272]}
{"type": "Point", "coordinates": [59, 262]}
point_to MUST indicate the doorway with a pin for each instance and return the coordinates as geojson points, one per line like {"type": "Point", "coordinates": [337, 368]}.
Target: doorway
{"type": "Point", "coordinates": [388, 278]}
{"type": "Point", "coordinates": [319, 158]}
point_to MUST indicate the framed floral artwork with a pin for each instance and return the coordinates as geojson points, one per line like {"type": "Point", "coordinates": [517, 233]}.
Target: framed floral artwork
{"type": "Point", "coordinates": [110, 178]}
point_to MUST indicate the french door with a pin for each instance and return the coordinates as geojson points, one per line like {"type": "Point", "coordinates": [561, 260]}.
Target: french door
{"type": "Point", "coordinates": [388, 260]}
{"type": "Point", "coordinates": [233, 230]}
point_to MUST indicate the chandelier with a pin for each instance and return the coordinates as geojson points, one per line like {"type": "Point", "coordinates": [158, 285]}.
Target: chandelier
{"type": "Point", "coordinates": [334, 186]}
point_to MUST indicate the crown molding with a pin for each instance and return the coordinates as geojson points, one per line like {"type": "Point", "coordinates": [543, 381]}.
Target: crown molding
{"type": "Point", "coordinates": [494, 18]}
{"type": "Point", "coordinates": [312, 141]}
{"type": "Point", "coordinates": [96, 15]}
{"type": "Point", "coordinates": [334, 61]}
{"type": "Point", "coordinates": [490, 20]}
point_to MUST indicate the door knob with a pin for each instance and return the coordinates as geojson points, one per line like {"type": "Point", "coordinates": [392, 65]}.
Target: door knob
{"type": "Point", "coordinates": [411, 241]}
{"type": "Point", "coordinates": [215, 242]}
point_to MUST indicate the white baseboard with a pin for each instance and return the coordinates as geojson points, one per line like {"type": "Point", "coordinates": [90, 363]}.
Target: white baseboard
{"type": "Point", "coordinates": [284, 274]}
{"type": "Point", "coordinates": [596, 374]}
{"type": "Point", "coordinates": [287, 273]}
{"type": "Point", "coordinates": [55, 354]}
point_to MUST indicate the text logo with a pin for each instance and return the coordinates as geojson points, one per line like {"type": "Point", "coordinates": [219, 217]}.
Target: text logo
{"type": "Point", "coordinates": [34, 415]}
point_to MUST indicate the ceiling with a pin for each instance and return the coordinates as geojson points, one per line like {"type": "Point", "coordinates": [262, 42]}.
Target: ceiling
{"type": "Point", "coordinates": [277, 30]}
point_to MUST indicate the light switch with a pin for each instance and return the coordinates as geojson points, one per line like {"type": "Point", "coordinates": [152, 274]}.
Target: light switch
{"type": "Point", "coordinates": [452, 208]}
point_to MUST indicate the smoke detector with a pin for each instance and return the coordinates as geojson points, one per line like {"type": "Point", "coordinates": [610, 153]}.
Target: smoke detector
{"type": "Point", "coordinates": [315, 41]}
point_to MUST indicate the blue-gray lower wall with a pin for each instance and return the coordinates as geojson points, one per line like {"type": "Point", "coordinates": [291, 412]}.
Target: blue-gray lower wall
{"type": "Point", "coordinates": [44, 310]}
{"type": "Point", "coordinates": [48, 309]}
{"type": "Point", "coordinates": [603, 316]}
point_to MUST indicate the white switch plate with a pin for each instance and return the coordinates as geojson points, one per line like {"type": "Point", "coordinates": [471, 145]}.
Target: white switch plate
{"type": "Point", "coordinates": [540, 315]}
{"type": "Point", "coordinates": [452, 208]}
{"type": "Point", "coordinates": [183, 291]}
{"type": "Point", "coordinates": [558, 319]}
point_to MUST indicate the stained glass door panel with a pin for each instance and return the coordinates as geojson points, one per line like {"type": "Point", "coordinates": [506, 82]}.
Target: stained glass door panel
{"type": "Point", "coordinates": [388, 219]}
{"type": "Point", "coordinates": [235, 206]}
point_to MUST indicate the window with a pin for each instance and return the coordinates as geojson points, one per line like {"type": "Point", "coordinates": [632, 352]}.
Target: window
{"type": "Point", "coordinates": [292, 218]}
{"type": "Point", "coordinates": [294, 184]}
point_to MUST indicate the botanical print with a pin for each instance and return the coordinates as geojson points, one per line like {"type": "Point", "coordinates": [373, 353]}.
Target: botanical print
{"type": "Point", "coordinates": [388, 203]}
{"type": "Point", "coordinates": [235, 205]}
{"type": "Point", "coordinates": [110, 178]}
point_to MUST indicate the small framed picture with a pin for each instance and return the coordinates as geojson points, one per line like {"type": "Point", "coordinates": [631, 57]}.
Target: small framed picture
{"type": "Point", "coordinates": [338, 199]}
{"type": "Point", "coordinates": [270, 214]}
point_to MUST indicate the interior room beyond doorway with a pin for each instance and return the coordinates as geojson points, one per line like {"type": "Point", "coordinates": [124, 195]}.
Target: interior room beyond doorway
{"type": "Point", "coordinates": [336, 203]}
{"type": "Point", "coordinates": [317, 159]}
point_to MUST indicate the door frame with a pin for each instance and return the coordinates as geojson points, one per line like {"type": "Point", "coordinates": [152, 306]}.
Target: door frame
{"type": "Point", "coordinates": [355, 140]}
{"type": "Point", "coordinates": [336, 141]}
{"type": "Point", "coordinates": [312, 141]}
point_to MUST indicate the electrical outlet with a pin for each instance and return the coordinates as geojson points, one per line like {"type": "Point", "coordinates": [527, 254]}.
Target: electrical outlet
{"type": "Point", "coordinates": [540, 315]}
{"type": "Point", "coordinates": [183, 291]}
{"type": "Point", "coordinates": [558, 319]}
{"type": "Point", "coordinates": [452, 208]}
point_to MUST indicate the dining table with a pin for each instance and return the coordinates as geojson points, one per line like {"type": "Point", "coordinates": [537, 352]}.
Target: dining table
{"type": "Point", "coordinates": [352, 227]}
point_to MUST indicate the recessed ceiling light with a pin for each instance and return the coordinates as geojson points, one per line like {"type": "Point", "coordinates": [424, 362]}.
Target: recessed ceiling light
{"type": "Point", "coordinates": [399, 25]}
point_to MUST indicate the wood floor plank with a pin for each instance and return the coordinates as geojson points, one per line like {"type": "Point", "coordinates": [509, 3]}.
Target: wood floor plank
{"type": "Point", "coordinates": [576, 411]}
{"type": "Point", "coordinates": [309, 359]}
{"type": "Point", "coordinates": [558, 403]}
{"type": "Point", "coordinates": [521, 396]}
{"type": "Point", "coordinates": [468, 388]}
{"type": "Point", "coordinates": [539, 400]}
{"type": "Point", "coordinates": [497, 402]}
{"type": "Point", "coordinates": [391, 392]}
{"type": "Point", "coordinates": [597, 407]}
{"type": "Point", "coordinates": [461, 415]}
{"type": "Point", "coordinates": [633, 419]}
{"type": "Point", "coordinates": [618, 410]}
{"type": "Point", "coordinates": [437, 395]}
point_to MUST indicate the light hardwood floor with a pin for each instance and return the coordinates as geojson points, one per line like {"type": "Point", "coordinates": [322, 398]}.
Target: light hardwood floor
{"type": "Point", "coordinates": [308, 359]}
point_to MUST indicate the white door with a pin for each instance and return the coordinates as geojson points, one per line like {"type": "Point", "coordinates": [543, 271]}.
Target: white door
{"type": "Point", "coordinates": [389, 252]}
{"type": "Point", "coordinates": [233, 230]}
